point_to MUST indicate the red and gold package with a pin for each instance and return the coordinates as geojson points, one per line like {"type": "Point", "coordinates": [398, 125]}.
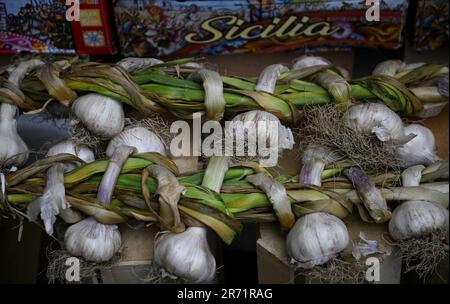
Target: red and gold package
{"type": "Point", "coordinates": [164, 28]}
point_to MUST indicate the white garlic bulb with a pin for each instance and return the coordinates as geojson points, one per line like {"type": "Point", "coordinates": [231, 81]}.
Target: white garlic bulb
{"type": "Point", "coordinates": [414, 219]}
{"type": "Point", "coordinates": [101, 114]}
{"type": "Point", "coordinates": [13, 150]}
{"type": "Point", "coordinates": [92, 240]}
{"type": "Point", "coordinates": [421, 150]}
{"type": "Point", "coordinates": [186, 255]}
{"type": "Point", "coordinates": [249, 125]}
{"type": "Point", "coordinates": [139, 138]}
{"type": "Point", "coordinates": [388, 67]}
{"type": "Point", "coordinates": [378, 119]}
{"type": "Point", "coordinates": [316, 238]}
{"type": "Point", "coordinates": [69, 147]}
{"type": "Point", "coordinates": [53, 202]}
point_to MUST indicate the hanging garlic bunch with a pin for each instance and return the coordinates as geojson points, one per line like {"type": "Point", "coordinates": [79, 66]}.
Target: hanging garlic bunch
{"type": "Point", "coordinates": [421, 150]}
{"type": "Point", "coordinates": [314, 160]}
{"type": "Point", "coordinates": [90, 239]}
{"type": "Point", "coordinates": [53, 201]}
{"type": "Point", "coordinates": [13, 150]}
{"type": "Point", "coordinates": [416, 219]}
{"type": "Point", "coordinates": [316, 238]}
{"type": "Point", "coordinates": [378, 119]}
{"type": "Point", "coordinates": [186, 255]}
{"type": "Point", "coordinates": [100, 114]}
{"type": "Point", "coordinates": [259, 132]}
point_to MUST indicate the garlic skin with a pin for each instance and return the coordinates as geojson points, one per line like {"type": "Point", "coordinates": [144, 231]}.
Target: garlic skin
{"type": "Point", "coordinates": [309, 61]}
{"type": "Point", "coordinates": [316, 238]}
{"type": "Point", "coordinates": [132, 64]}
{"type": "Point", "coordinates": [101, 115]}
{"type": "Point", "coordinates": [431, 109]}
{"type": "Point", "coordinates": [421, 150]}
{"type": "Point", "coordinates": [267, 80]}
{"type": "Point", "coordinates": [92, 240]}
{"type": "Point", "coordinates": [415, 219]}
{"type": "Point", "coordinates": [139, 138]}
{"type": "Point", "coordinates": [314, 159]}
{"type": "Point", "coordinates": [411, 176]}
{"type": "Point", "coordinates": [186, 255]}
{"type": "Point", "coordinates": [378, 119]}
{"type": "Point", "coordinates": [53, 201]}
{"type": "Point", "coordinates": [371, 197]}
{"type": "Point", "coordinates": [13, 150]}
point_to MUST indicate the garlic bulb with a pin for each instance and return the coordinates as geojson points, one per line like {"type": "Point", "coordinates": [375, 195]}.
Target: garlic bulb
{"type": "Point", "coordinates": [53, 201]}
{"type": "Point", "coordinates": [414, 219]}
{"type": "Point", "coordinates": [13, 150]}
{"type": "Point", "coordinates": [378, 119]}
{"type": "Point", "coordinates": [186, 255]}
{"type": "Point", "coordinates": [92, 240]}
{"type": "Point", "coordinates": [314, 159]}
{"type": "Point", "coordinates": [421, 150]}
{"type": "Point", "coordinates": [69, 147]}
{"type": "Point", "coordinates": [101, 115]}
{"type": "Point", "coordinates": [388, 67]}
{"type": "Point", "coordinates": [139, 138]}
{"type": "Point", "coordinates": [316, 238]}
{"type": "Point", "coordinates": [246, 128]}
